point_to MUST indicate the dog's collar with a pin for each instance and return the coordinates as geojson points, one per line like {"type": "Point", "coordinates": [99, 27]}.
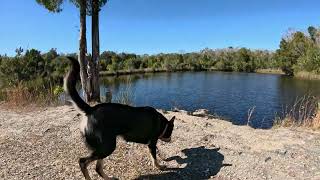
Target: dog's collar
{"type": "Point", "coordinates": [164, 131]}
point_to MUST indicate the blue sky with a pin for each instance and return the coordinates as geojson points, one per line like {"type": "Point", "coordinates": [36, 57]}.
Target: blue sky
{"type": "Point", "coordinates": [153, 26]}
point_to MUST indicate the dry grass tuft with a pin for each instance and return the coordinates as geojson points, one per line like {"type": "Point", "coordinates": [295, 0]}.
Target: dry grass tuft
{"type": "Point", "coordinates": [21, 95]}
{"type": "Point", "coordinates": [307, 75]}
{"type": "Point", "coordinates": [315, 123]}
{"type": "Point", "coordinates": [305, 113]}
{"type": "Point", "coordinates": [250, 112]}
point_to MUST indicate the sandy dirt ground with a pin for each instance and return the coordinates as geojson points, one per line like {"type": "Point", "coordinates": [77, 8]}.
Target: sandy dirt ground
{"type": "Point", "coordinates": [46, 144]}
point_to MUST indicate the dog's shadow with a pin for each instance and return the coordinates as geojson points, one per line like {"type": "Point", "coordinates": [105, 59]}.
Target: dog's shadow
{"type": "Point", "coordinates": [201, 163]}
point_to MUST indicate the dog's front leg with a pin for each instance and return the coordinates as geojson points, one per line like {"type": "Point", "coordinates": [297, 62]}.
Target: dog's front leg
{"type": "Point", "coordinates": [153, 153]}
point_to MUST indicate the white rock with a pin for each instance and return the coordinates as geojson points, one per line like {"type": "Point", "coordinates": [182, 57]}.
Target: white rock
{"type": "Point", "coordinates": [200, 112]}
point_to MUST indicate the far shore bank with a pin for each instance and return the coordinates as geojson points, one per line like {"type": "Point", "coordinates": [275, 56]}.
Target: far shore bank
{"type": "Point", "coordinates": [157, 70]}
{"type": "Point", "coordinates": [270, 71]}
{"type": "Point", "coordinates": [301, 75]}
{"type": "Point", "coordinates": [146, 70]}
{"type": "Point", "coordinates": [160, 70]}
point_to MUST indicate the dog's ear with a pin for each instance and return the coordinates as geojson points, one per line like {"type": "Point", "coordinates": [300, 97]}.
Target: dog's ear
{"type": "Point", "coordinates": [172, 119]}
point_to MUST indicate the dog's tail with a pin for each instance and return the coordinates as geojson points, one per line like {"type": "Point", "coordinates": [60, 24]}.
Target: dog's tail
{"type": "Point", "coordinates": [70, 86]}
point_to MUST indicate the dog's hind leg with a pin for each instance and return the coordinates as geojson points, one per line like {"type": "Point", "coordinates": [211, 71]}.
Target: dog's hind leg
{"type": "Point", "coordinates": [108, 146]}
{"type": "Point", "coordinates": [102, 150]}
{"type": "Point", "coordinates": [84, 162]}
{"type": "Point", "coordinates": [153, 152]}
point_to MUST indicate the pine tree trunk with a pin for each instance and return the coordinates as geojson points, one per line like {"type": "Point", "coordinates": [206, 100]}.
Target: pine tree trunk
{"type": "Point", "coordinates": [95, 52]}
{"type": "Point", "coordinates": [89, 72]}
{"type": "Point", "coordinates": [83, 49]}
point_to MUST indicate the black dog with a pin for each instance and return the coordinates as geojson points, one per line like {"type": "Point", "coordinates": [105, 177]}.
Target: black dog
{"type": "Point", "coordinates": [102, 123]}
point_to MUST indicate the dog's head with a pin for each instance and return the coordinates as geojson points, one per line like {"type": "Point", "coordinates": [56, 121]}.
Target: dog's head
{"type": "Point", "coordinates": [167, 132]}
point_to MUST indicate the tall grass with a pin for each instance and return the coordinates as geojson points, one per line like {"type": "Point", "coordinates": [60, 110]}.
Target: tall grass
{"type": "Point", "coordinates": [42, 93]}
{"type": "Point", "coordinates": [303, 113]}
{"type": "Point", "coordinates": [125, 96]}
{"type": "Point", "coordinates": [31, 92]}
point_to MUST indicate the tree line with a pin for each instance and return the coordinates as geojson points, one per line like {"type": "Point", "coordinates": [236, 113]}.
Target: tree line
{"type": "Point", "coordinates": [52, 66]}
{"type": "Point", "coordinates": [229, 59]}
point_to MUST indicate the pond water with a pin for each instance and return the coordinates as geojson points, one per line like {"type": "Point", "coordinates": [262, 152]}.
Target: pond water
{"type": "Point", "coordinates": [229, 95]}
